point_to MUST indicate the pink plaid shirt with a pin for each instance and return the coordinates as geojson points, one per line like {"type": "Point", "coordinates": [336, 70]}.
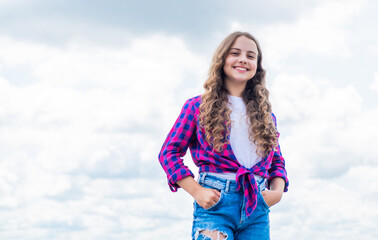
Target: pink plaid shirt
{"type": "Point", "coordinates": [186, 132]}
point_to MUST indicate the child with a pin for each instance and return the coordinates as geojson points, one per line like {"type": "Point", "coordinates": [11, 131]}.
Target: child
{"type": "Point", "coordinates": [231, 133]}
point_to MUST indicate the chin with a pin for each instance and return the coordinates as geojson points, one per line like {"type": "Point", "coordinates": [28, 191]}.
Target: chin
{"type": "Point", "coordinates": [244, 80]}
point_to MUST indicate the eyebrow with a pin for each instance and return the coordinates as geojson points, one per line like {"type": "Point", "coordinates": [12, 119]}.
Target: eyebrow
{"type": "Point", "coordinates": [240, 50]}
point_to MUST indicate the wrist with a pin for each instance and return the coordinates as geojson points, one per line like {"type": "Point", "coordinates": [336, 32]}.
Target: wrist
{"type": "Point", "coordinates": [190, 185]}
{"type": "Point", "coordinates": [195, 191]}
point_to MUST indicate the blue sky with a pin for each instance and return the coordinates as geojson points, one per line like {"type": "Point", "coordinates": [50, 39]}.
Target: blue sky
{"type": "Point", "coordinates": [90, 89]}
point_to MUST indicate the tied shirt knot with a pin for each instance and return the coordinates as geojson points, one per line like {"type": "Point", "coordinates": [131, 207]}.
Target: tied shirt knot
{"type": "Point", "coordinates": [245, 178]}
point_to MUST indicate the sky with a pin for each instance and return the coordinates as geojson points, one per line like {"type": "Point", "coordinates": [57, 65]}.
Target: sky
{"type": "Point", "coordinates": [90, 89]}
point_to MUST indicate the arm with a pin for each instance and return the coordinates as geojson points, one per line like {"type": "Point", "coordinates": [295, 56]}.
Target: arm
{"type": "Point", "coordinates": [277, 168]}
{"type": "Point", "coordinates": [176, 145]}
{"type": "Point", "coordinates": [170, 157]}
{"type": "Point", "coordinates": [277, 181]}
{"type": "Point", "coordinates": [274, 195]}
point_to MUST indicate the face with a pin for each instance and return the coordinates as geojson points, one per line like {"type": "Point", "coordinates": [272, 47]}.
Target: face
{"type": "Point", "coordinates": [241, 61]}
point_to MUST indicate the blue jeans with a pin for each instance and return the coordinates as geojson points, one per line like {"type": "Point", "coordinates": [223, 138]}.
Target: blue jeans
{"type": "Point", "coordinates": [228, 216]}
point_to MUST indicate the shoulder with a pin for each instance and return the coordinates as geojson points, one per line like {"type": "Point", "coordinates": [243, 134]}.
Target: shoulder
{"type": "Point", "coordinates": [194, 101]}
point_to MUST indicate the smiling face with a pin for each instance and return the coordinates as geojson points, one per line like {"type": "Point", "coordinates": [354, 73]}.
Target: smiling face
{"type": "Point", "coordinates": [241, 61]}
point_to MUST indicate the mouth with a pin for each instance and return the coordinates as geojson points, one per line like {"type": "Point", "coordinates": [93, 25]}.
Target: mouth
{"type": "Point", "coordinates": [241, 69]}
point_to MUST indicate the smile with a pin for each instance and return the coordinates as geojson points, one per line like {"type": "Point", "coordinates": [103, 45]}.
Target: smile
{"type": "Point", "coordinates": [243, 69]}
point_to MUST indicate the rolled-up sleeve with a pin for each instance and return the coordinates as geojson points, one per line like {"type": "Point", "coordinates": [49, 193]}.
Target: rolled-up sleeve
{"type": "Point", "coordinates": [277, 168]}
{"type": "Point", "coordinates": [176, 145]}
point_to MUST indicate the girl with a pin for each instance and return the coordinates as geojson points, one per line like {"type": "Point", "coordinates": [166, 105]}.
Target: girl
{"type": "Point", "coordinates": [231, 132]}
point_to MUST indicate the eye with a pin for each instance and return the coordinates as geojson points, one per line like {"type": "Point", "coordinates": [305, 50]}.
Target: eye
{"type": "Point", "coordinates": [234, 53]}
{"type": "Point", "coordinates": [251, 57]}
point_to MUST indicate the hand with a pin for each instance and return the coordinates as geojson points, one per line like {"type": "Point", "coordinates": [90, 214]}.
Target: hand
{"type": "Point", "coordinates": [271, 197]}
{"type": "Point", "coordinates": [207, 197]}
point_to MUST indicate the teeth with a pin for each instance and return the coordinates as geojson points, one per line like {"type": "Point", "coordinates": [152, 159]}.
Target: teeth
{"type": "Point", "coordinates": [243, 69]}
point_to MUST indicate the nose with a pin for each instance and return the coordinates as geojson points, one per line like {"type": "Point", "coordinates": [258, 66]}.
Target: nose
{"type": "Point", "coordinates": [243, 59]}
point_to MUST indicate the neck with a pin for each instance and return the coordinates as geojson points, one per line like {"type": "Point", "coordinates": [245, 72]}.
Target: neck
{"type": "Point", "coordinates": [235, 89]}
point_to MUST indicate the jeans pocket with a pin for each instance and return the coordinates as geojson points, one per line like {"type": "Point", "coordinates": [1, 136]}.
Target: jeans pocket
{"type": "Point", "coordinates": [217, 203]}
{"type": "Point", "coordinates": [263, 201]}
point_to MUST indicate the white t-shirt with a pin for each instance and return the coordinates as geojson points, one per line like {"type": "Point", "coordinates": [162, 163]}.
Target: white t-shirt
{"type": "Point", "coordinates": [243, 148]}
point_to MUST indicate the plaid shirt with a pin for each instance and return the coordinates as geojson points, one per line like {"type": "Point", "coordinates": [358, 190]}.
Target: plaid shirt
{"type": "Point", "coordinates": [186, 132]}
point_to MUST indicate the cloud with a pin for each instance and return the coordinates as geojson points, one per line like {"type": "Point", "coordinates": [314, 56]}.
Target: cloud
{"type": "Point", "coordinates": [79, 142]}
{"type": "Point", "coordinates": [374, 86]}
{"type": "Point", "coordinates": [338, 208]}
{"type": "Point", "coordinates": [318, 31]}
{"type": "Point", "coordinates": [327, 139]}
{"type": "Point", "coordinates": [316, 115]}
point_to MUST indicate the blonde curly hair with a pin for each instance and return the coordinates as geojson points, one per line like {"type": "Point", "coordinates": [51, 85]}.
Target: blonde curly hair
{"type": "Point", "coordinates": [214, 113]}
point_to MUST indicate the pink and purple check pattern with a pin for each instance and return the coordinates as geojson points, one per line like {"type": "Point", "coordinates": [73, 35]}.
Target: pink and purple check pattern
{"type": "Point", "coordinates": [187, 133]}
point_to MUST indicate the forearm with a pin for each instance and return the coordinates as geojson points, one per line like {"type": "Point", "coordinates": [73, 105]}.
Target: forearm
{"type": "Point", "coordinates": [205, 197]}
{"type": "Point", "coordinates": [274, 195]}
{"type": "Point", "coordinates": [277, 184]}
{"type": "Point", "coordinates": [190, 185]}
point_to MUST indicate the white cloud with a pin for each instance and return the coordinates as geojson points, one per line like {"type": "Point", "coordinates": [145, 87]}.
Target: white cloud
{"type": "Point", "coordinates": [374, 85]}
{"type": "Point", "coordinates": [317, 31]}
{"type": "Point", "coordinates": [327, 141]}
{"type": "Point", "coordinates": [75, 139]}
{"type": "Point", "coordinates": [325, 119]}
{"type": "Point", "coordinates": [339, 208]}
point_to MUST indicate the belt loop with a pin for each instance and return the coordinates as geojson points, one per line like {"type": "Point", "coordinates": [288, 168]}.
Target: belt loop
{"type": "Point", "coordinates": [202, 177]}
{"type": "Point", "coordinates": [262, 184]}
{"type": "Point", "coordinates": [227, 186]}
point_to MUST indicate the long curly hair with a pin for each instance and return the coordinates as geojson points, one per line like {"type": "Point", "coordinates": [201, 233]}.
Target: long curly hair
{"type": "Point", "coordinates": [214, 113]}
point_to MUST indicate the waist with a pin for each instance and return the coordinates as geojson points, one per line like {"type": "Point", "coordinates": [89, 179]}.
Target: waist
{"type": "Point", "coordinates": [228, 185]}
{"type": "Point", "coordinates": [231, 175]}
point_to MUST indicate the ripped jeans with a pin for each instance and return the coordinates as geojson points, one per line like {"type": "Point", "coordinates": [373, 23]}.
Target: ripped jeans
{"type": "Point", "coordinates": [227, 218]}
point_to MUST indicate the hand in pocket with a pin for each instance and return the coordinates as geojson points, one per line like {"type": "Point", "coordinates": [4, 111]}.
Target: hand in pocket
{"type": "Point", "coordinates": [207, 197]}
{"type": "Point", "coordinates": [271, 197]}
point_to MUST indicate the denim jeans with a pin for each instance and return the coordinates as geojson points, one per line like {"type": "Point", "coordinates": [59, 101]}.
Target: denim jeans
{"type": "Point", "coordinates": [228, 217]}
